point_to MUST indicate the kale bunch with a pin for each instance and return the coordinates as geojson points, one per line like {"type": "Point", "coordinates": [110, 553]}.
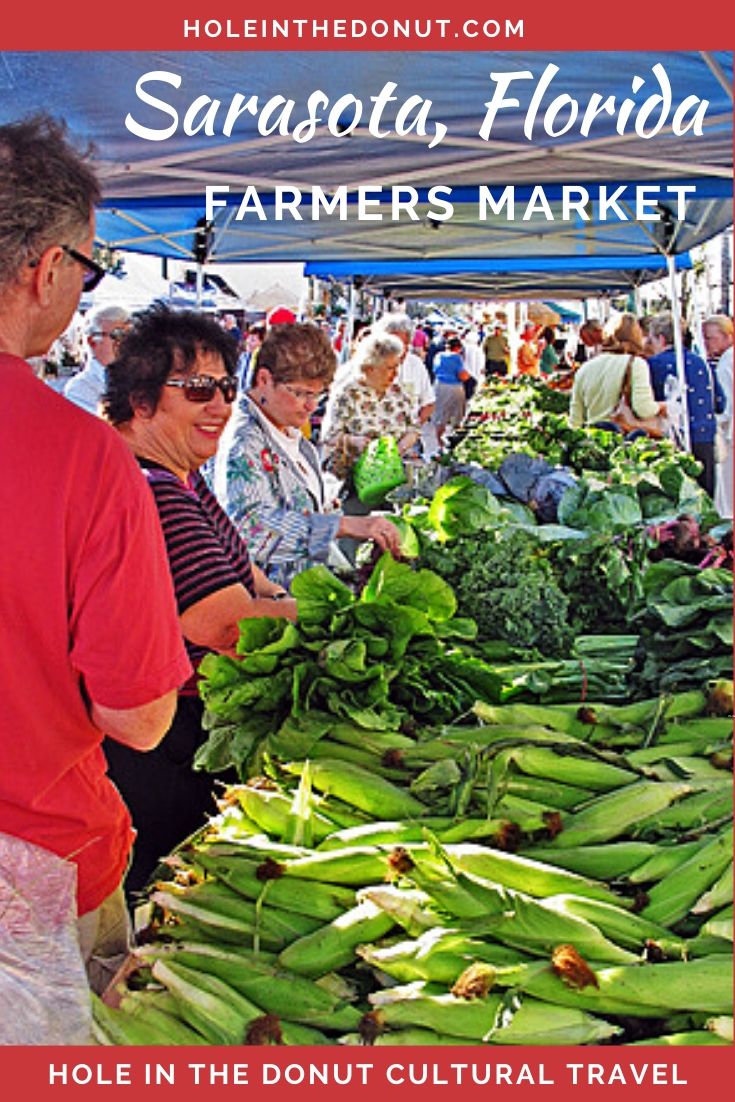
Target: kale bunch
{"type": "Point", "coordinates": [504, 581]}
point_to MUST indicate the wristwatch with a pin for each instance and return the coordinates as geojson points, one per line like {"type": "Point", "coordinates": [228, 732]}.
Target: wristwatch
{"type": "Point", "coordinates": [280, 595]}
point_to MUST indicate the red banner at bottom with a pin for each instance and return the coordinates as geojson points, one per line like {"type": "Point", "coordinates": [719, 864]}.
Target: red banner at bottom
{"type": "Point", "coordinates": [269, 1073]}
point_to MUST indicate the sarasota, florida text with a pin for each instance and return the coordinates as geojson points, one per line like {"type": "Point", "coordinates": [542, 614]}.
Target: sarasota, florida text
{"type": "Point", "coordinates": [648, 109]}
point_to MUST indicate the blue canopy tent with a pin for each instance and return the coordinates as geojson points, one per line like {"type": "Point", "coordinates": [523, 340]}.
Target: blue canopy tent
{"type": "Point", "coordinates": [564, 313]}
{"type": "Point", "coordinates": [500, 277]}
{"type": "Point", "coordinates": [168, 226]}
{"type": "Point", "coordinates": [154, 190]}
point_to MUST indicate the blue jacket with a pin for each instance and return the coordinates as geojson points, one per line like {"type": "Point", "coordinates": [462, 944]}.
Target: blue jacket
{"type": "Point", "coordinates": [705, 396]}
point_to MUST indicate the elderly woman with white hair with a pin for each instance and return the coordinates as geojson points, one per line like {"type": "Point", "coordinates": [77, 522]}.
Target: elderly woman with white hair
{"type": "Point", "coordinates": [412, 373]}
{"type": "Point", "coordinates": [105, 326]}
{"type": "Point", "coordinates": [369, 403]}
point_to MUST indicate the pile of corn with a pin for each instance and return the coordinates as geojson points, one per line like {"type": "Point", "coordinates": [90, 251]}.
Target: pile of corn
{"type": "Point", "coordinates": [333, 903]}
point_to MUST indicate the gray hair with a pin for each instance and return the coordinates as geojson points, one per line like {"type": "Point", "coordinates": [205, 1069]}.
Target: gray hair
{"type": "Point", "coordinates": [47, 192]}
{"type": "Point", "coordinates": [375, 349]}
{"type": "Point", "coordinates": [662, 325]}
{"type": "Point", "coordinates": [396, 323]}
{"type": "Point", "coordinates": [112, 313]}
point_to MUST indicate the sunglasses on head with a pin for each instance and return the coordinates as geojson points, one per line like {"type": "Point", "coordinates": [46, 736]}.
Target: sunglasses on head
{"type": "Point", "coordinates": [202, 388]}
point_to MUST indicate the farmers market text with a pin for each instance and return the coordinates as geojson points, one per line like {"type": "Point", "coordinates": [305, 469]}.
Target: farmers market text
{"type": "Point", "coordinates": [403, 203]}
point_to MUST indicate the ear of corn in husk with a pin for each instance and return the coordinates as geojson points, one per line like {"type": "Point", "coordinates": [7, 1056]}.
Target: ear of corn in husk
{"type": "Point", "coordinates": [550, 793]}
{"type": "Point", "coordinates": [671, 898]}
{"type": "Point", "coordinates": [600, 862]}
{"type": "Point", "coordinates": [533, 926]}
{"type": "Point", "coordinates": [538, 878]}
{"type": "Point", "coordinates": [664, 860]}
{"type": "Point", "coordinates": [718, 895]}
{"type": "Point", "coordinates": [274, 989]}
{"type": "Point", "coordinates": [643, 990]}
{"type": "Point", "coordinates": [140, 1023]}
{"type": "Point", "coordinates": [438, 955]}
{"type": "Point", "coordinates": [207, 1003]}
{"type": "Point", "coordinates": [361, 788]}
{"type": "Point", "coordinates": [632, 931]}
{"type": "Point", "coordinates": [321, 901]}
{"type": "Point", "coordinates": [333, 946]}
{"type": "Point", "coordinates": [565, 767]}
{"type": "Point", "coordinates": [611, 815]}
{"type": "Point", "coordinates": [354, 866]}
{"type": "Point", "coordinates": [488, 1019]}
{"type": "Point", "coordinates": [701, 808]}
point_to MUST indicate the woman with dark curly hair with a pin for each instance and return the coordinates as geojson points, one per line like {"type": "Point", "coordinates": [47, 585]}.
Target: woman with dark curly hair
{"type": "Point", "coordinates": [170, 394]}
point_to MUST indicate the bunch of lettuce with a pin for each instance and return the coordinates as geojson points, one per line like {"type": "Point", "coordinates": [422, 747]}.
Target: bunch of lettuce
{"type": "Point", "coordinates": [379, 660]}
{"type": "Point", "coordinates": [685, 619]}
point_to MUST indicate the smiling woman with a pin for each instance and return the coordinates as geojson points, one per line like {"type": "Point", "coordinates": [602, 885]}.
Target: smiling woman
{"type": "Point", "coordinates": [170, 394]}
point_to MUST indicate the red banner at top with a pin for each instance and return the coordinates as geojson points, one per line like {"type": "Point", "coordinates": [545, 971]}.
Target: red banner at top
{"type": "Point", "coordinates": [412, 25]}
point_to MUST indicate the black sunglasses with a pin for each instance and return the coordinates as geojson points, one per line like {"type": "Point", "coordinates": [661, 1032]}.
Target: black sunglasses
{"type": "Point", "coordinates": [94, 273]}
{"type": "Point", "coordinates": [202, 388]}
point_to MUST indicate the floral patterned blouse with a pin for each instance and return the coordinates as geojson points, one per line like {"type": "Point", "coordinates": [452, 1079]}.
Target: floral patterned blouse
{"type": "Point", "coordinates": [267, 496]}
{"type": "Point", "coordinates": [356, 409]}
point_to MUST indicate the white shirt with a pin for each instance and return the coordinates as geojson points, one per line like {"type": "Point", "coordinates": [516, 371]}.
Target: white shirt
{"type": "Point", "coordinates": [416, 381]}
{"type": "Point", "coordinates": [87, 387]}
{"type": "Point", "coordinates": [474, 360]}
{"type": "Point", "coordinates": [723, 370]}
{"type": "Point", "coordinates": [290, 440]}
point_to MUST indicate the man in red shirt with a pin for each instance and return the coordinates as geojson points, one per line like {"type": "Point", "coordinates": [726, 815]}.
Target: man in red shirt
{"type": "Point", "coordinates": [90, 643]}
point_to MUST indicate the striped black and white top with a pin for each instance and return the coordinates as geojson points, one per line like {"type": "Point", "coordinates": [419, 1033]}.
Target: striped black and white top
{"type": "Point", "coordinates": [205, 553]}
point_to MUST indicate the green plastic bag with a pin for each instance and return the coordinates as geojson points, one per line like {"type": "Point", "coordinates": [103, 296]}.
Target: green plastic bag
{"type": "Point", "coordinates": [378, 470]}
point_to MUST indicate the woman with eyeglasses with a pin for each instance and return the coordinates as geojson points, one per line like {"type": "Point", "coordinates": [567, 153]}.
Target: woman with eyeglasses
{"type": "Point", "coordinates": [268, 477]}
{"type": "Point", "coordinates": [170, 395]}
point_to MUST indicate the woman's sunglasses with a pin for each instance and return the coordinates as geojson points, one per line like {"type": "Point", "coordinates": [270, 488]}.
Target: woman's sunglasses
{"type": "Point", "coordinates": [202, 388]}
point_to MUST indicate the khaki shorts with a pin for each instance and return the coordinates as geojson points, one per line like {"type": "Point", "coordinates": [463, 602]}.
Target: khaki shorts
{"type": "Point", "coordinates": [105, 939]}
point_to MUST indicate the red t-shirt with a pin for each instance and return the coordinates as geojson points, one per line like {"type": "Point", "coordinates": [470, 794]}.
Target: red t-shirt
{"type": "Point", "coordinates": [86, 612]}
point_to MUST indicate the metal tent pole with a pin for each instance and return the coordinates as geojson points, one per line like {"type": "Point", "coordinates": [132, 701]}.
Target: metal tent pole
{"type": "Point", "coordinates": [679, 350]}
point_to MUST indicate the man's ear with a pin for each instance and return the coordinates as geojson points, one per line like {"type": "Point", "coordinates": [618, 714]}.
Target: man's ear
{"type": "Point", "coordinates": [46, 273]}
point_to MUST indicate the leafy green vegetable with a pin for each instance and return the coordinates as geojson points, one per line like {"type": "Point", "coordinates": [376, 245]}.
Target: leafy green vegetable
{"type": "Point", "coordinates": [599, 508]}
{"type": "Point", "coordinates": [506, 584]}
{"type": "Point", "coordinates": [461, 506]}
{"type": "Point", "coordinates": [397, 583]}
{"type": "Point", "coordinates": [320, 595]}
{"type": "Point", "coordinates": [685, 616]}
